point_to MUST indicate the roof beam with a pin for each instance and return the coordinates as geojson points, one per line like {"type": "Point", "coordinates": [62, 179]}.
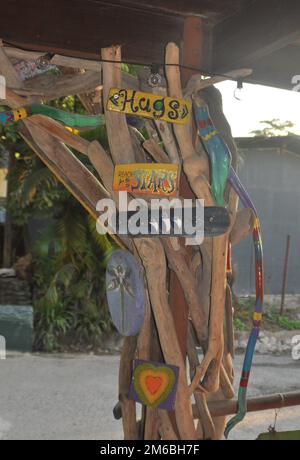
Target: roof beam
{"type": "Point", "coordinates": [262, 28]}
{"type": "Point", "coordinates": [81, 28]}
{"type": "Point", "coordinates": [278, 68]}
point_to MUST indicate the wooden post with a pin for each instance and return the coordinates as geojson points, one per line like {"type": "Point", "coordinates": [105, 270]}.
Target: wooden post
{"type": "Point", "coordinates": [192, 56]}
{"type": "Point", "coordinates": [285, 272]}
{"type": "Point", "coordinates": [275, 401]}
{"type": "Point", "coordinates": [192, 46]}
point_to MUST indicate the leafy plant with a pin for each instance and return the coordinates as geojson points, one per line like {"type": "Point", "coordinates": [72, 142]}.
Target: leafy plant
{"type": "Point", "coordinates": [274, 128]}
{"type": "Point", "coordinates": [287, 323]}
{"type": "Point", "coordinates": [239, 325]}
{"type": "Point", "coordinates": [69, 256]}
{"type": "Point", "coordinates": [74, 278]}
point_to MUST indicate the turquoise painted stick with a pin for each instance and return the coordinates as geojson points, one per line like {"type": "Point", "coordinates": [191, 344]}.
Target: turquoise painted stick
{"type": "Point", "coordinates": [217, 152]}
{"type": "Point", "coordinates": [73, 120]}
{"type": "Point", "coordinates": [214, 143]}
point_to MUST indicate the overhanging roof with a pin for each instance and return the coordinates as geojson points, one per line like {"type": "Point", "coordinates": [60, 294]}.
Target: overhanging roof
{"type": "Point", "coordinates": [261, 34]}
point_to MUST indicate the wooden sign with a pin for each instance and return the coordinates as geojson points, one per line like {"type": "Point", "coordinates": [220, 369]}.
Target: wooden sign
{"type": "Point", "coordinates": [154, 384]}
{"type": "Point", "coordinates": [149, 105]}
{"type": "Point", "coordinates": [148, 179]}
{"type": "Point", "coordinates": [125, 292]}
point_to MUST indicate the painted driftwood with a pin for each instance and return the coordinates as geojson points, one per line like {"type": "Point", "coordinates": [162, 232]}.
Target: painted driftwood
{"type": "Point", "coordinates": [202, 276]}
{"type": "Point", "coordinates": [147, 179]}
{"type": "Point", "coordinates": [125, 293]}
{"type": "Point", "coordinates": [149, 105]}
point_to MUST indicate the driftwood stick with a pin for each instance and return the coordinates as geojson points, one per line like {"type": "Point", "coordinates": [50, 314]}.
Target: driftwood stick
{"type": "Point", "coordinates": [208, 428]}
{"type": "Point", "coordinates": [187, 280]}
{"type": "Point", "coordinates": [13, 100]}
{"type": "Point", "coordinates": [78, 179]}
{"type": "Point", "coordinates": [52, 86]}
{"type": "Point", "coordinates": [209, 370]}
{"type": "Point", "coordinates": [225, 382]}
{"type": "Point", "coordinates": [8, 71]}
{"type": "Point", "coordinates": [80, 182]}
{"type": "Point", "coordinates": [243, 226]}
{"type": "Point", "coordinates": [208, 373]}
{"type": "Point", "coordinates": [145, 335]}
{"type": "Point", "coordinates": [158, 297]}
{"type": "Point", "coordinates": [117, 130]}
{"type": "Point", "coordinates": [229, 329]}
{"type": "Point", "coordinates": [67, 61]}
{"type": "Point", "coordinates": [193, 166]}
{"type": "Point", "coordinates": [204, 279]}
{"type": "Point", "coordinates": [130, 426]}
{"type": "Point", "coordinates": [165, 427]}
{"type": "Point", "coordinates": [167, 137]}
{"type": "Point", "coordinates": [151, 253]}
{"type": "Point", "coordinates": [163, 128]}
{"type": "Point", "coordinates": [197, 83]}
{"type": "Point", "coordinates": [155, 151]}
{"type": "Point", "coordinates": [60, 132]}
{"type": "Point", "coordinates": [151, 425]}
{"type": "Point", "coordinates": [153, 257]}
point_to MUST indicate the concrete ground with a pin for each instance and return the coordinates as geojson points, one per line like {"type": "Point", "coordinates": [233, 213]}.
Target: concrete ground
{"type": "Point", "coordinates": [71, 396]}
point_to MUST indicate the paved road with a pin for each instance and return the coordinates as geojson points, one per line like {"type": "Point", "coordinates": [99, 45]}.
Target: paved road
{"type": "Point", "coordinates": [71, 397]}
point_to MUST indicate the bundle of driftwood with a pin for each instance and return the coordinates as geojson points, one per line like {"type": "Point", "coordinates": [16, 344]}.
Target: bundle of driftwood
{"type": "Point", "coordinates": [173, 332]}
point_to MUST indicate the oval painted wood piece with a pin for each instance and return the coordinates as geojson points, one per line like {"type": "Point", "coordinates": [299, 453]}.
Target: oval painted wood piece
{"type": "Point", "coordinates": [125, 292]}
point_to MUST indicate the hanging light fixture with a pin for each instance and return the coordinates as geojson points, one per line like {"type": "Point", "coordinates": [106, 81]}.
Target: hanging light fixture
{"type": "Point", "coordinates": [155, 78]}
{"type": "Point", "coordinates": [238, 92]}
{"type": "Point", "coordinates": [43, 61]}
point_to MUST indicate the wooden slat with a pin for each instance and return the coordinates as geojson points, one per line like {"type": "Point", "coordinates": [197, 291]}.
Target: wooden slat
{"type": "Point", "coordinates": [65, 61]}
{"type": "Point", "coordinates": [53, 87]}
{"type": "Point", "coordinates": [67, 168]}
{"type": "Point", "coordinates": [275, 401]}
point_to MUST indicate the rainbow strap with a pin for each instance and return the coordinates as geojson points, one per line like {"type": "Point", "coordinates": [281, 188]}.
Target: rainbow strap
{"type": "Point", "coordinates": [209, 136]}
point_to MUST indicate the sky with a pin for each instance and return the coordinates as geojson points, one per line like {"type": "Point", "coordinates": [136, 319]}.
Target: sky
{"type": "Point", "coordinates": [259, 103]}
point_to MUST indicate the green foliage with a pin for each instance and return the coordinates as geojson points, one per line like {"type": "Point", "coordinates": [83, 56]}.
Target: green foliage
{"type": "Point", "coordinates": [239, 325]}
{"type": "Point", "coordinates": [274, 128]}
{"type": "Point", "coordinates": [69, 104]}
{"type": "Point", "coordinates": [272, 321]}
{"type": "Point", "coordinates": [287, 323]}
{"type": "Point", "coordinates": [69, 268]}
{"type": "Point", "coordinates": [132, 69]}
{"type": "Point", "coordinates": [69, 257]}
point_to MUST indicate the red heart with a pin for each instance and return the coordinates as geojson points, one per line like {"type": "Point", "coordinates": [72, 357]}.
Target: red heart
{"type": "Point", "coordinates": [153, 384]}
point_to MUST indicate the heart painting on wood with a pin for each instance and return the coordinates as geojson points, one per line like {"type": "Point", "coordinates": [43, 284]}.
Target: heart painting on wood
{"type": "Point", "coordinates": [154, 384]}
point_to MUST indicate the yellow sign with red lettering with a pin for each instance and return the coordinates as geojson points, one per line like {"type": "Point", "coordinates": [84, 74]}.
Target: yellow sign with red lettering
{"type": "Point", "coordinates": [147, 179]}
{"type": "Point", "coordinates": [149, 105]}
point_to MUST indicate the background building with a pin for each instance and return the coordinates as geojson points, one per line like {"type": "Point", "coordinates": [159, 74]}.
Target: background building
{"type": "Point", "coordinates": [270, 170]}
